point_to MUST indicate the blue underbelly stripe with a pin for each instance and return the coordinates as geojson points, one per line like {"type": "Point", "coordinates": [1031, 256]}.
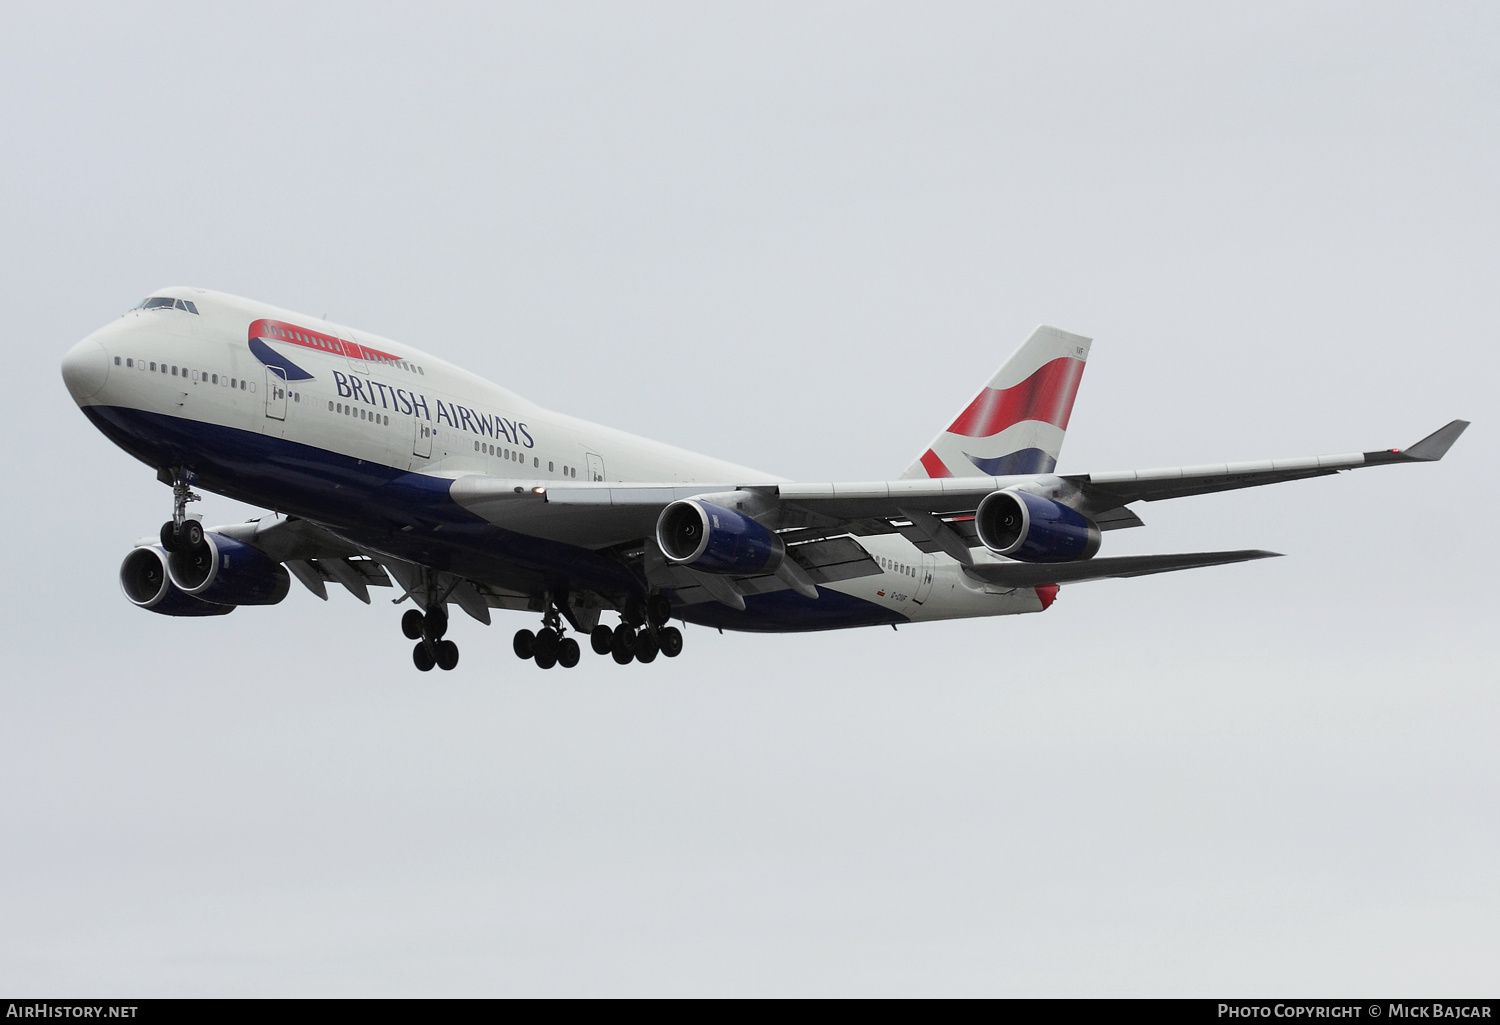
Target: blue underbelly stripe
{"type": "Point", "coordinates": [370, 503]}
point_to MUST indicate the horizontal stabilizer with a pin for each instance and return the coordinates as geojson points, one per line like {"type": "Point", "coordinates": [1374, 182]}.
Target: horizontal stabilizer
{"type": "Point", "coordinates": [1030, 574]}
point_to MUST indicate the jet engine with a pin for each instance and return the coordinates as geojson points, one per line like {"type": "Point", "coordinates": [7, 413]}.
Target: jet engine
{"type": "Point", "coordinates": [146, 582]}
{"type": "Point", "coordinates": [1031, 528]}
{"type": "Point", "coordinates": [229, 572]}
{"type": "Point", "coordinates": [713, 539]}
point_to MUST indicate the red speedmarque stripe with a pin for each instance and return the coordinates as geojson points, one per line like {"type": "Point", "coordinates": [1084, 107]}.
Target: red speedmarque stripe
{"type": "Point", "coordinates": [293, 334]}
{"type": "Point", "coordinates": [933, 465]}
{"type": "Point", "coordinates": [1046, 395]}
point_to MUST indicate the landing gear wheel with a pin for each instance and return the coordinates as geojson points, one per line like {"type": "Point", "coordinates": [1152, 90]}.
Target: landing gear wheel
{"type": "Point", "coordinates": [190, 535]}
{"type": "Point", "coordinates": [411, 624]}
{"type": "Point", "coordinates": [422, 657]}
{"type": "Point", "coordinates": [624, 638]}
{"type": "Point", "coordinates": [524, 644]}
{"type": "Point", "coordinates": [169, 536]}
{"type": "Point", "coordinates": [436, 621]}
{"type": "Point", "coordinates": [646, 648]}
{"type": "Point", "coordinates": [622, 645]}
{"type": "Point", "coordinates": [670, 639]}
{"type": "Point", "coordinates": [568, 653]}
{"type": "Point", "coordinates": [601, 639]}
{"type": "Point", "coordinates": [447, 655]}
{"type": "Point", "coordinates": [547, 645]}
{"type": "Point", "coordinates": [658, 610]}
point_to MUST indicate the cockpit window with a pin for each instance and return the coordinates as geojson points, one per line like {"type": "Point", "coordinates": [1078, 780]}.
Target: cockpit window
{"type": "Point", "coordinates": [161, 302]}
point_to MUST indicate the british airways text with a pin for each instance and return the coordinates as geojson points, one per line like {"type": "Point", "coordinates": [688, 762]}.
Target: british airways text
{"type": "Point", "coordinates": [384, 396]}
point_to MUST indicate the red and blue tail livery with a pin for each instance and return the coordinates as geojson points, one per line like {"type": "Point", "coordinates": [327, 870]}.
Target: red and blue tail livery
{"type": "Point", "coordinates": [404, 472]}
{"type": "Point", "coordinates": [1017, 421]}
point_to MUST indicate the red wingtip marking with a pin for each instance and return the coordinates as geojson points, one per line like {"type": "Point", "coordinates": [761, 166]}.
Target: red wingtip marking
{"type": "Point", "coordinates": [1046, 594]}
{"type": "Point", "coordinates": [933, 465]}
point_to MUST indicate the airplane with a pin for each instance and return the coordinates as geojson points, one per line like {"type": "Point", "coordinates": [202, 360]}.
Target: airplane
{"type": "Point", "coordinates": [383, 463]}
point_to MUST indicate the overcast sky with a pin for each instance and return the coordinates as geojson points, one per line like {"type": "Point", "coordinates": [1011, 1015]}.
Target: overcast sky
{"type": "Point", "coordinates": [797, 236]}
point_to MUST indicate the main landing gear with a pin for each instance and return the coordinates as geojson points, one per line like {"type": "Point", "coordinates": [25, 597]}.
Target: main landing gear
{"type": "Point", "coordinates": [427, 629]}
{"type": "Point", "coordinates": [547, 647]}
{"type": "Point", "coordinates": [643, 634]}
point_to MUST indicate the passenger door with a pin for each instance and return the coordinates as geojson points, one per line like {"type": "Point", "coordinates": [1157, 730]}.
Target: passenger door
{"type": "Point", "coordinates": [926, 573]}
{"type": "Point", "coordinates": [275, 394]}
{"type": "Point", "coordinates": [421, 442]}
{"type": "Point", "coordinates": [596, 466]}
{"type": "Point", "coordinates": [353, 353]}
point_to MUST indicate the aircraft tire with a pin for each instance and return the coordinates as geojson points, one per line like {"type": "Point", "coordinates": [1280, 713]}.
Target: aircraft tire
{"type": "Point", "coordinates": [622, 645]}
{"type": "Point", "coordinates": [568, 653]}
{"type": "Point", "coordinates": [547, 641]}
{"type": "Point", "coordinates": [601, 639]}
{"type": "Point", "coordinates": [658, 609]}
{"type": "Point", "coordinates": [524, 644]}
{"type": "Point", "coordinates": [624, 638]}
{"type": "Point", "coordinates": [411, 624]}
{"type": "Point", "coordinates": [447, 655]}
{"type": "Point", "coordinates": [191, 535]}
{"type": "Point", "coordinates": [169, 536]}
{"type": "Point", "coordinates": [437, 622]}
{"type": "Point", "coordinates": [670, 639]}
{"type": "Point", "coordinates": [422, 657]}
{"type": "Point", "coordinates": [646, 648]}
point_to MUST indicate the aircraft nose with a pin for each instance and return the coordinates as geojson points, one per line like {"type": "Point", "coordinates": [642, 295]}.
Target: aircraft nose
{"type": "Point", "coordinates": [84, 369]}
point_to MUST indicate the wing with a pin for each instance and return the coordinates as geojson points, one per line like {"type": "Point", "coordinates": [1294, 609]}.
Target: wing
{"type": "Point", "coordinates": [936, 513]}
{"type": "Point", "coordinates": [317, 557]}
{"type": "Point", "coordinates": [819, 523]}
{"type": "Point", "coordinates": [1117, 489]}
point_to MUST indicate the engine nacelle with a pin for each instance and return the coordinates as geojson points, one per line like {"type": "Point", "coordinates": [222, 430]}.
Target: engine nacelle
{"type": "Point", "coordinates": [714, 539]}
{"type": "Point", "coordinates": [146, 582]}
{"type": "Point", "coordinates": [1031, 528]}
{"type": "Point", "coordinates": [229, 572]}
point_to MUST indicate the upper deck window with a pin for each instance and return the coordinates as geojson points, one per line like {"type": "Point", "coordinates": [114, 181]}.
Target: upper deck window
{"type": "Point", "coordinates": [161, 302]}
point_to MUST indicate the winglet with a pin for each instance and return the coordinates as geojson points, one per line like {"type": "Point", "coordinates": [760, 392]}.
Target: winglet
{"type": "Point", "coordinates": [1436, 445]}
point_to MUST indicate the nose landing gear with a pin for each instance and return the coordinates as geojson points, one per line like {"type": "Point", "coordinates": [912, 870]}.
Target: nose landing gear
{"type": "Point", "coordinates": [180, 534]}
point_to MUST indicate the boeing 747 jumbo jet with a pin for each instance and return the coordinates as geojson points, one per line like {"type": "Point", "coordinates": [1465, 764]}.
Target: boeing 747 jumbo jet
{"type": "Point", "coordinates": [384, 463]}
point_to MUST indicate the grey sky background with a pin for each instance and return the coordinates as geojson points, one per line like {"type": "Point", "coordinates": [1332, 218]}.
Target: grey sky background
{"type": "Point", "coordinates": [800, 237]}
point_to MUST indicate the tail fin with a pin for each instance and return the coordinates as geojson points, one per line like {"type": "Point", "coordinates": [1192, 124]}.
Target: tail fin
{"type": "Point", "coordinates": [1017, 421]}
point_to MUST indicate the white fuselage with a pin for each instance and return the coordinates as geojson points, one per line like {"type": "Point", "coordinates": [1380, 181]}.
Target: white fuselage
{"type": "Point", "coordinates": [330, 391]}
